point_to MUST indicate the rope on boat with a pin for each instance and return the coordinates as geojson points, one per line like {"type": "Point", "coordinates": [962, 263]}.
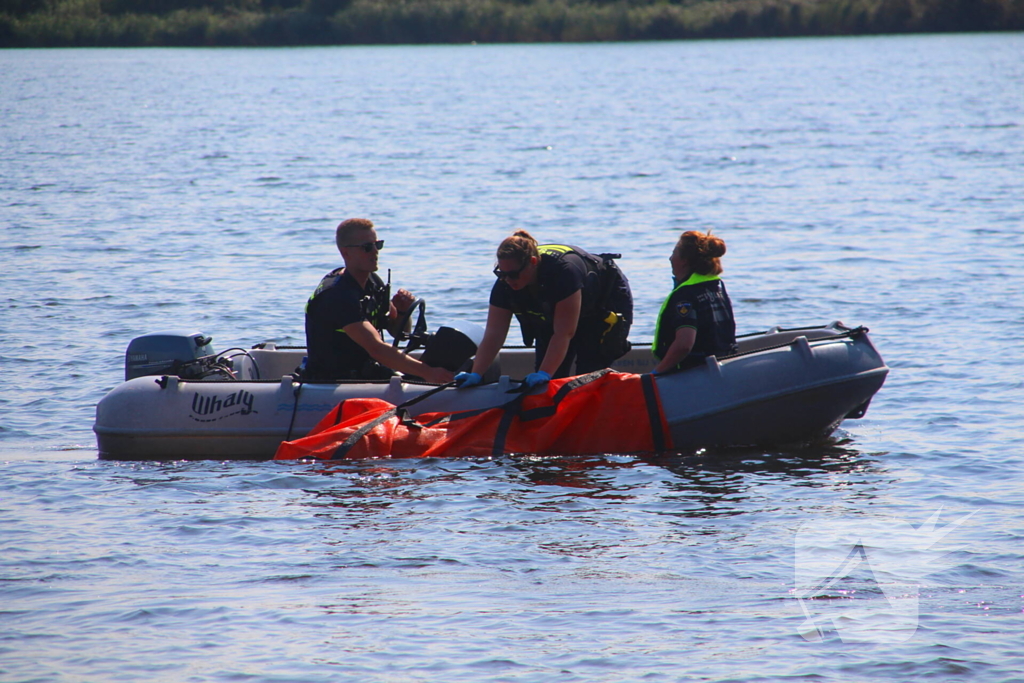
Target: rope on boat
{"type": "Point", "coordinates": [295, 407]}
{"type": "Point", "coordinates": [855, 332]}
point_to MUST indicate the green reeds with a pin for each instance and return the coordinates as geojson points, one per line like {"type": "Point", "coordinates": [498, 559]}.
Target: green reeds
{"type": "Point", "coordinates": [51, 23]}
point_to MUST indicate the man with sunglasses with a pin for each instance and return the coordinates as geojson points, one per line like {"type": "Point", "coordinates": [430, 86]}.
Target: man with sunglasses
{"type": "Point", "coordinates": [348, 312]}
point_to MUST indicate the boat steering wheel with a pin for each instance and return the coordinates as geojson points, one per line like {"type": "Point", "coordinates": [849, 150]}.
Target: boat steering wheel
{"type": "Point", "coordinates": [418, 336]}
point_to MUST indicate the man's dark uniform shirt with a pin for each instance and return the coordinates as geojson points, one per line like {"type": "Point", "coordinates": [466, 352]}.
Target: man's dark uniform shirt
{"type": "Point", "coordinates": [339, 301]}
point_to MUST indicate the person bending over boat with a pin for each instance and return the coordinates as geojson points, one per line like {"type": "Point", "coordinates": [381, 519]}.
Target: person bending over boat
{"type": "Point", "coordinates": [696, 319]}
{"type": "Point", "coordinates": [346, 316]}
{"type": "Point", "coordinates": [577, 306]}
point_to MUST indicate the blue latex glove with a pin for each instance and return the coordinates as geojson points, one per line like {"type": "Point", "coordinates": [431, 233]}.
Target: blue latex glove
{"type": "Point", "coordinates": [536, 378]}
{"type": "Point", "coordinates": [464, 380]}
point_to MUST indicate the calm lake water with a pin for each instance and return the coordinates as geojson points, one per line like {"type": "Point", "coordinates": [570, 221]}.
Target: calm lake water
{"type": "Point", "coordinates": [877, 181]}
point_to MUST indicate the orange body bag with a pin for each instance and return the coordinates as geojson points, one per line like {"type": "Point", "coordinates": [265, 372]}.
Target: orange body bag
{"type": "Point", "coordinates": [603, 412]}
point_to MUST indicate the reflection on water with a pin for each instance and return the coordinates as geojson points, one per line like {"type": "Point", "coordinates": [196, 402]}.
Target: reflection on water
{"type": "Point", "coordinates": [832, 455]}
{"type": "Point", "coordinates": [590, 475]}
{"type": "Point", "coordinates": [700, 484]}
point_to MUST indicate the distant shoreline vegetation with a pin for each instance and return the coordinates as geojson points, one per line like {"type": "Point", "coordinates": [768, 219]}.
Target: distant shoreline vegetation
{"type": "Point", "coordinates": [191, 23]}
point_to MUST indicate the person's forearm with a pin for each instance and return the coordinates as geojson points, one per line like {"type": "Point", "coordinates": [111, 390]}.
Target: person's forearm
{"type": "Point", "coordinates": [673, 357]}
{"type": "Point", "coordinates": [398, 306]}
{"type": "Point", "coordinates": [489, 348]}
{"type": "Point", "coordinates": [392, 323]}
{"type": "Point", "coordinates": [558, 346]}
{"type": "Point", "coordinates": [567, 317]}
{"type": "Point", "coordinates": [394, 358]}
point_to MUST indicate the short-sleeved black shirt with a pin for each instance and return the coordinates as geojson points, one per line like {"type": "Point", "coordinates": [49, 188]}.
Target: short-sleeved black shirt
{"type": "Point", "coordinates": [704, 306]}
{"type": "Point", "coordinates": [558, 276]}
{"type": "Point", "coordinates": [337, 302]}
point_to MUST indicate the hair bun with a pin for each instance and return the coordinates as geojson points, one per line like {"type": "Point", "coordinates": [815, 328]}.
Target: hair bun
{"type": "Point", "coordinates": [520, 245]}
{"type": "Point", "coordinates": [701, 251]}
{"type": "Point", "coordinates": [714, 246]}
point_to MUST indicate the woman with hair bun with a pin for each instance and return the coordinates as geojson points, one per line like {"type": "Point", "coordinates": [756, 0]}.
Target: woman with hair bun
{"type": "Point", "coordinates": [696, 319]}
{"type": "Point", "coordinates": [576, 305]}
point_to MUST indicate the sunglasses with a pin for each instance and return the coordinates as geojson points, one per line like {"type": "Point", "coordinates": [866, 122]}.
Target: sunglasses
{"type": "Point", "coordinates": [368, 247]}
{"type": "Point", "coordinates": [508, 274]}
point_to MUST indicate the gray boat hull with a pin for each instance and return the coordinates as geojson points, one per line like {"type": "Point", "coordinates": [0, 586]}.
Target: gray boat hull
{"type": "Point", "coordinates": [784, 386]}
{"type": "Point", "coordinates": [795, 392]}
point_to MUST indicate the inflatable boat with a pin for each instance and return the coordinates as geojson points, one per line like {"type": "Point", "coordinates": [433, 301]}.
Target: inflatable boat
{"type": "Point", "coordinates": [181, 400]}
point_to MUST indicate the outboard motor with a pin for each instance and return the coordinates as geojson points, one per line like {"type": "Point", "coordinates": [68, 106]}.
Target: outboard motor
{"type": "Point", "coordinates": [188, 355]}
{"type": "Point", "coordinates": [452, 345]}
